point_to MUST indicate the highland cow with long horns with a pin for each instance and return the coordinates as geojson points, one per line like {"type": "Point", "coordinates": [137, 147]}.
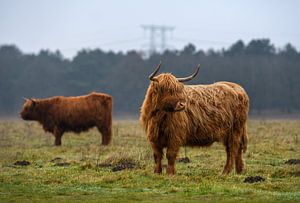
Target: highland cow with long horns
{"type": "Point", "coordinates": [175, 115]}
{"type": "Point", "coordinates": [71, 114]}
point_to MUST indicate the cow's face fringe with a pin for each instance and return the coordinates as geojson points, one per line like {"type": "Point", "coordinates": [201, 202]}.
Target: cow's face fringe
{"type": "Point", "coordinates": [167, 94]}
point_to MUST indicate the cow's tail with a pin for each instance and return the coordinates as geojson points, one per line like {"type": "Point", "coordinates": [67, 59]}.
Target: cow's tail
{"type": "Point", "coordinates": [109, 120]}
{"type": "Point", "coordinates": [106, 126]}
{"type": "Point", "coordinates": [244, 140]}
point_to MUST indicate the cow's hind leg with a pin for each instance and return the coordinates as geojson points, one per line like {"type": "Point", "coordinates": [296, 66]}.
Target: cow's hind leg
{"type": "Point", "coordinates": [57, 134]}
{"type": "Point", "coordinates": [232, 147]}
{"type": "Point", "coordinates": [105, 135]}
{"type": "Point", "coordinates": [105, 128]}
{"type": "Point", "coordinates": [239, 163]}
{"type": "Point", "coordinates": [158, 155]}
{"type": "Point", "coordinates": [105, 131]}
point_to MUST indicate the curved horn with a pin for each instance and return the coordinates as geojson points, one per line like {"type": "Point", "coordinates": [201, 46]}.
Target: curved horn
{"type": "Point", "coordinates": [189, 77]}
{"type": "Point", "coordinates": [25, 98]}
{"type": "Point", "coordinates": [151, 77]}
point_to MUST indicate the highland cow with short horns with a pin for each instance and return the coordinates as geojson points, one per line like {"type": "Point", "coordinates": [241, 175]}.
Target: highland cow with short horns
{"type": "Point", "coordinates": [175, 115]}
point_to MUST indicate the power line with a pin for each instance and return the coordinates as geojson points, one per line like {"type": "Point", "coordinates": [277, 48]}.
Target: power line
{"type": "Point", "coordinates": [202, 41]}
{"type": "Point", "coordinates": [121, 41]}
{"type": "Point", "coordinates": [117, 42]}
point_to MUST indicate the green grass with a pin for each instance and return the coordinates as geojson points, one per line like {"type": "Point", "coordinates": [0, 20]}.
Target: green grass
{"type": "Point", "coordinates": [271, 144]}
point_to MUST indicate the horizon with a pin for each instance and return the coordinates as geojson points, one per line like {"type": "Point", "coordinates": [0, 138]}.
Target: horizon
{"type": "Point", "coordinates": [277, 49]}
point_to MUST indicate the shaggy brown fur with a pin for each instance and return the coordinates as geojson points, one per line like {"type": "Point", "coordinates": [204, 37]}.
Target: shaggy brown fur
{"type": "Point", "coordinates": [62, 114]}
{"type": "Point", "coordinates": [174, 115]}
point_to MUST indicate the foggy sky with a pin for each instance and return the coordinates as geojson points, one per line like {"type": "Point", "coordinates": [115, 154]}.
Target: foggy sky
{"type": "Point", "coordinates": [70, 25]}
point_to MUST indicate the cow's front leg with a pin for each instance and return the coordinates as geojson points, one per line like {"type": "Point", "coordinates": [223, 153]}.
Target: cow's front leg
{"type": "Point", "coordinates": [172, 152]}
{"type": "Point", "coordinates": [57, 134]}
{"type": "Point", "coordinates": [158, 155]}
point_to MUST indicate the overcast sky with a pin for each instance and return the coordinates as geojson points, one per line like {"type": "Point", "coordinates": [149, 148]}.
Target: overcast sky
{"type": "Point", "coordinates": [70, 25]}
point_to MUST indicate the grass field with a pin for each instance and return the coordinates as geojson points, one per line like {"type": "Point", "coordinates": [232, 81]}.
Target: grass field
{"type": "Point", "coordinates": [82, 170]}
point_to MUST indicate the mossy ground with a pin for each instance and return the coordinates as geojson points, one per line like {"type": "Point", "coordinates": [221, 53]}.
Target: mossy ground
{"type": "Point", "coordinates": [271, 144]}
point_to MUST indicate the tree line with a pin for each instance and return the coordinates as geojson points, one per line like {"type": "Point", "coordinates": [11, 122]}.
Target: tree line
{"type": "Point", "coordinates": [270, 75]}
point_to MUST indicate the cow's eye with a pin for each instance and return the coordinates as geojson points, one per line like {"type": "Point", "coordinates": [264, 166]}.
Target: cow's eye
{"type": "Point", "coordinates": [160, 90]}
